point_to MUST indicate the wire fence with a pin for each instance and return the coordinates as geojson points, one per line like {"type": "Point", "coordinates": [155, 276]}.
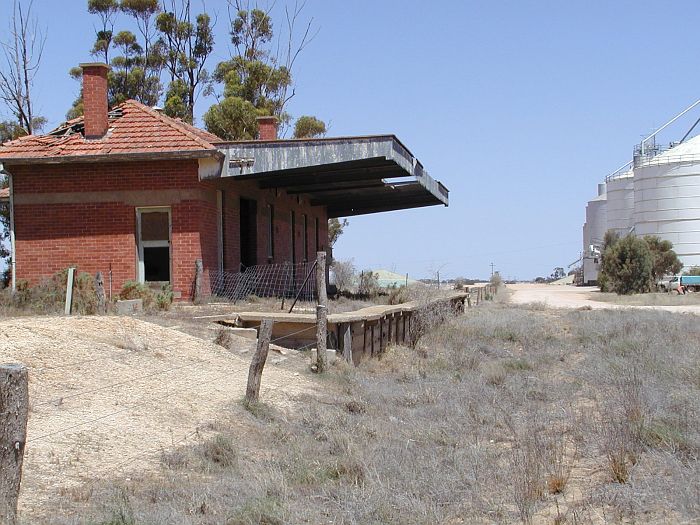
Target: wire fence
{"type": "Point", "coordinates": [285, 280]}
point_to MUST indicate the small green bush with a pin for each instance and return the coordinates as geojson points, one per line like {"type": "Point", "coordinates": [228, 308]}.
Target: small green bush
{"type": "Point", "coordinates": [137, 290]}
{"type": "Point", "coordinates": [627, 266]}
{"type": "Point", "coordinates": [164, 298]}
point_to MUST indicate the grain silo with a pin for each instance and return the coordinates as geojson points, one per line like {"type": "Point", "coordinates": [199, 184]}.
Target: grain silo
{"type": "Point", "coordinates": [620, 202]}
{"type": "Point", "coordinates": [667, 198]}
{"type": "Point", "coordinates": [593, 233]}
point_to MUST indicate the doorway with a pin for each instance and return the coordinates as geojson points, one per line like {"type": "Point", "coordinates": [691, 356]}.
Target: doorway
{"type": "Point", "coordinates": [249, 232]}
{"type": "Point", "coordinates": [154, 227]}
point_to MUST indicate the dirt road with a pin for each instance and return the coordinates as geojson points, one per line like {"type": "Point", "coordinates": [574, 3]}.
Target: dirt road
{"type": "Point", "coordinates": [564, 296]}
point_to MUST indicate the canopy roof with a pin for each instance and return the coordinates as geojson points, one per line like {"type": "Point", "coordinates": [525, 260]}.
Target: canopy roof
{"type": "Point", "coordinates": [348, 175]}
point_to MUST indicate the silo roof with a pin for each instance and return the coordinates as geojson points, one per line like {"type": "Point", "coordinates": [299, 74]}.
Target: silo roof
{"type": "Point", "coordinates": [688, 150]}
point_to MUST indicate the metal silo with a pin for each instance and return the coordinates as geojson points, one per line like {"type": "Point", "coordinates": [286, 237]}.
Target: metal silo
{"type": "Point", "coordinates": [593, 233]}
{"type": "Point", "coordinates": [620, 206]}
{"type": "Point", "coordinates": [667, 198]}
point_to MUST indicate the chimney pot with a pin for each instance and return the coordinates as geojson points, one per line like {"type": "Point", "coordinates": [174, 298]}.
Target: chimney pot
{"type": "Point", "coordinates": [95, 105]}
{"type": "Point", "coordinates": [267, 128]}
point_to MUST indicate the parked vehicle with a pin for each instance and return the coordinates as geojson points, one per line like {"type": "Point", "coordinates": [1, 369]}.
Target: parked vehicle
{"type": "Point", "coordinates": [664, 284]}
{"type": "Point", "coordinates": [691, 282]}
{"type": "Point", "coordinates": [688, 283]}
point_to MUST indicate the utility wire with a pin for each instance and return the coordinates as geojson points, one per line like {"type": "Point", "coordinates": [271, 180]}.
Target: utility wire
{"type": "Point", "coordinates": [120, 383]}
{"type": "Point", "coordinates": [124, 409]}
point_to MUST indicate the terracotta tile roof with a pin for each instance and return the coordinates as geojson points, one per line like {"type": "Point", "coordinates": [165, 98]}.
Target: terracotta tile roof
{"type": "Point", "coordinates": [134, 129]}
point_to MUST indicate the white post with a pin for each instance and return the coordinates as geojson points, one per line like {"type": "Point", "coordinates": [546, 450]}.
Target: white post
{"type": "Point", "coordinates": [69, 290]}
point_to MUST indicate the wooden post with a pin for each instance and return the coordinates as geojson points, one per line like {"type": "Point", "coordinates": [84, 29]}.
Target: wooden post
{"type": "Point", "coordinates": [252, 393]}
{"type": "Point", "coordinates": [469, 299]}
{"type": "Point", "coordinates": [69, 291]}
{"type": "Point", "coordinates": [321, 312]}
{"type": "Point", "coordinates": [14, 410]}
{"type": "Point", "coordinates": [346, 338]}
{"type": "Point", "coordinates": [100, 292]}
{"type": "Point", "coordinates": [198, 274]}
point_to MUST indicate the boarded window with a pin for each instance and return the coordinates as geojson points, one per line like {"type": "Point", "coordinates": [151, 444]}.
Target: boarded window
{"type": "Point", "coordinates": [155, 226]}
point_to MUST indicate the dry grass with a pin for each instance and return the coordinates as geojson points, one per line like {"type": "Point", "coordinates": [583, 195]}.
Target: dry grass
{"type": "Point", "coordinates": [648, 299]}
{"type": "Point", "coordinates": [501, 415]}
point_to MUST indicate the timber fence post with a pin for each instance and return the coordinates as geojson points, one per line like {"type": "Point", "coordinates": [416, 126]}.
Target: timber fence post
{"type": "Point", "coordinates": [100, 292]}
{"type": "Point", "coordinates": [252, 393]}
{"type": "Point", "coordinates": [321, 312]}
{"type": "Point", "coordinates": [14, 410]}
{"type": "Point", "coordinates": [198, 271]}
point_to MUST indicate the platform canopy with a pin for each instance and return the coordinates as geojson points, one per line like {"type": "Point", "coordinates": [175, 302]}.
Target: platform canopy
{"type": "Point", "coordinates": [348, 175]}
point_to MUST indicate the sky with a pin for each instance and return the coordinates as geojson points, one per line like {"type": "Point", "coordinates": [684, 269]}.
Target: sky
{"type": "Point", "coordinates": [519, 107]}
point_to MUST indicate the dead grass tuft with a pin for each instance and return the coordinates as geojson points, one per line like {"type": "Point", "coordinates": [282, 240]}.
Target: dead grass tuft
{"type": "Point", "coordinates": [220, 450]}
{"type": "Point", "coordinates": [223, 337]}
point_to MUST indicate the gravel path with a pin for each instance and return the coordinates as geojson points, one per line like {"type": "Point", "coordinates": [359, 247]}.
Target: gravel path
{"type": "Point", "coordinates": [562, 296]}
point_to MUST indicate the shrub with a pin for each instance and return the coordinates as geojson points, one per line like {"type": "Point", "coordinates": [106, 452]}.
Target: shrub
{"type": "Point", "coordinates": [137, 290]}
{"type": "Point", "coordinates": [49, 296]}
{"type": "Point", "coordinates": [664, 259]}
{"type": "Point", "coordinates": [496, 280]}
{"type": "Point", "coordinates": [369, 283]}
{"type": "Point", "coordinates": [398, 295]}
{"type": "Point", "coordinates": [627, 266]}
{"type": "Point", "coordinates": [164, 298]}
{"type": "Point", "coordinates": [344, 273]}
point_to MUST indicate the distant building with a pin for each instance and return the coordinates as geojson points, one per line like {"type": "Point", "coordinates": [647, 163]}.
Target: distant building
{"type": "Point", "coordinates": [659, 195]}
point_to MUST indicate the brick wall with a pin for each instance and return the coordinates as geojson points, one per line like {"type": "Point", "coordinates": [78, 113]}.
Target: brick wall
{"type": "Point", "coordinates": [85, 215]}
{"type": "Point", "coordinates": [283, 205]}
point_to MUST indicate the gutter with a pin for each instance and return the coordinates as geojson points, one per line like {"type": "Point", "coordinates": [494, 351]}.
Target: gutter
{"type": "Point", "coordinates": [12, 229]}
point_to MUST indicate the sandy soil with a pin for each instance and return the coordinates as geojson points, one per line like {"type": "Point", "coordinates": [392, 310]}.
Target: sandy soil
{"type": "Point", "coordinates": [562, 296]}
{"type": "Point", "coordinates": [109, 394]}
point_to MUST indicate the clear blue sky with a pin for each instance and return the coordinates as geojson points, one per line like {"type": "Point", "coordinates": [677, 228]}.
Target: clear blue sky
{"type": "Point", "coordinates": [518, 107]}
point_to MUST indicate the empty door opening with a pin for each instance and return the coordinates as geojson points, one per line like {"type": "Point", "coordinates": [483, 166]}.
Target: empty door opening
{"type": "Point", "coordinates": [249, 232]}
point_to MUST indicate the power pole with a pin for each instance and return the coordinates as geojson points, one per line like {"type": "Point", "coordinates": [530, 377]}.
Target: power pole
{"type": "Point", "coordinates": [491, 269]}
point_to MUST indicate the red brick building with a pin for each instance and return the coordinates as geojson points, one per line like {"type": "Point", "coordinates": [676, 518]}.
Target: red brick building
{"type": "Point", "coordinates": [138, 195]}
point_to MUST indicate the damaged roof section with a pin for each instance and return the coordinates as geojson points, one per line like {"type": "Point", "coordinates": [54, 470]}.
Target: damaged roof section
{"type": "Point", "coordinates": [348, 175]}
{"type": "Point", "coordinates": [135, 132]}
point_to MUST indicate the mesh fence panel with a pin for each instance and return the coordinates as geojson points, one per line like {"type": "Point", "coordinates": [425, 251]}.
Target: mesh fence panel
{"type": "Point", "coordinates": [268, 280]}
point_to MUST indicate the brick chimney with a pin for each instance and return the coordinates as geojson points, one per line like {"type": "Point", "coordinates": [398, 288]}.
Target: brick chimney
{"type": "Point", "coordinates": [267, 128]}
{"type": "Point", "coordinates": [95, 99]}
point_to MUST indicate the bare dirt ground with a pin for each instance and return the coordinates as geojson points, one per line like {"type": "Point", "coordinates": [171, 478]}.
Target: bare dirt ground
{"type": "Point", "coordinates": [581, 297]}
{"type": "Point", "coordinates": [109, 394]}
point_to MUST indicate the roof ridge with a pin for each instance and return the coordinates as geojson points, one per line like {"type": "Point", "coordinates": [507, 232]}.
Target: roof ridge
{"type": "Point", "coordinates": [170, 122]}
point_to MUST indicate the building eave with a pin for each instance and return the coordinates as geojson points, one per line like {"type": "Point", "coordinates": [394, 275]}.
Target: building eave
{"type": "Point", "coordinates": [112, 157]}
{"type": "Point", "coordinates": [348, 175]}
